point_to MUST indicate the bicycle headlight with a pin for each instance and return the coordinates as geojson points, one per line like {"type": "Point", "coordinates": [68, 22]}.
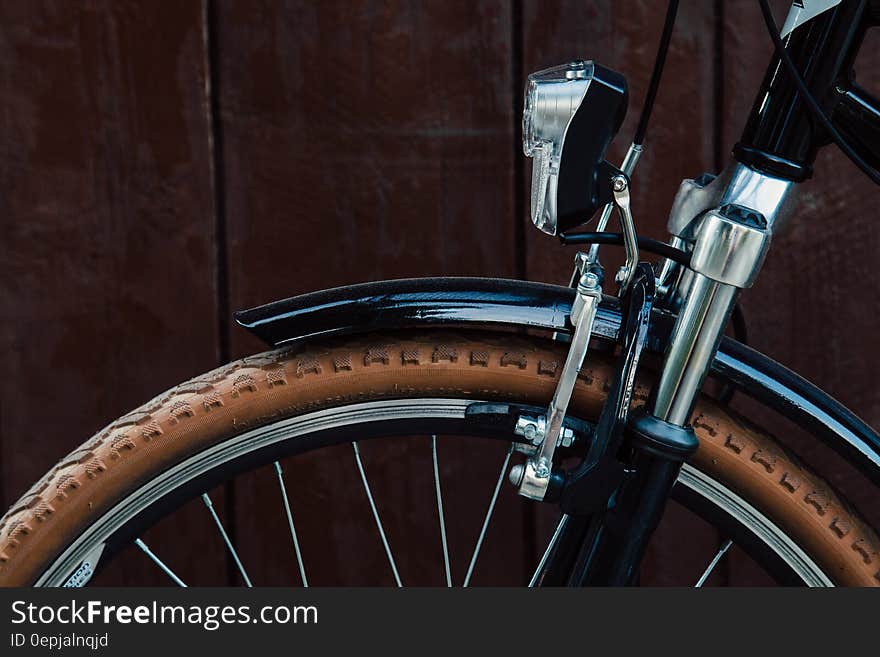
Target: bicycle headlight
{"type": "Point", "coordinates": [552, 98]}
{"type": "Point", "coordinates": [567, 125]}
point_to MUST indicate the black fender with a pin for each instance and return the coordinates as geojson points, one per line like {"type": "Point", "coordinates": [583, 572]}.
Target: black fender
{"type": "Point", "coordinates": [441, 302]}
{"type": "Point", "coordinates": [413, 302]}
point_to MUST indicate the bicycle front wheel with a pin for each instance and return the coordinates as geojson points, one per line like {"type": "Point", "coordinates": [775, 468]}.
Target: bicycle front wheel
{"type": "Point", "coordinates": [336, 390]}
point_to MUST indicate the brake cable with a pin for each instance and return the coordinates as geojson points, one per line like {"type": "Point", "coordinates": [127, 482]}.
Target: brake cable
{"type": "Point", "coordinates": [636, 147]}
{"type": "Point", "coordinates": [645, 243]}
{"type": "Point", "coordinates": [738, 321]}
{"type": "Point", "coordinates": [657, 73]}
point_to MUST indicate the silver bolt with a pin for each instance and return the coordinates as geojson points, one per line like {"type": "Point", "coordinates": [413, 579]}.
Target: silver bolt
{"type": "Point", "coordinates": [516, 475]}
{"type": "Point", "coordinates": [589, 281]}
{"type": "Point", "coordinates": [542, 469]}
{"type": "Point", "coordinates": [618, 183]}
{"type": "Point", "coordinates": [577, 70]}
{"type": "Point", "coordinates": [567, 437]}
{"type": "Point", "coordinates": [530, 428]}
{"type": "Point", "coordinates": [621, 275]}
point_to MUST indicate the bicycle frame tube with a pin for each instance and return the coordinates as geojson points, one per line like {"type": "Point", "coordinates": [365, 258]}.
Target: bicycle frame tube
{"type": "Point", "coordinates": [778, 147]}
{"type": "Point", "coordinates": [781, 136]}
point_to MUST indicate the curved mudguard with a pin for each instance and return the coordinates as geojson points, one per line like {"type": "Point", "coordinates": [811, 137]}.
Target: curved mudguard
{"type": "Point", "coordinates": [419, 302]}
{"type": "Point", "coordinates": [433, 302]}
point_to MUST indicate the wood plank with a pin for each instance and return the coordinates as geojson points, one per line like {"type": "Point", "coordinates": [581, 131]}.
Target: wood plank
{"type": "Point", "coordinates": [364, 141]}
{"type": "Point", "coordinates": [107, 253]}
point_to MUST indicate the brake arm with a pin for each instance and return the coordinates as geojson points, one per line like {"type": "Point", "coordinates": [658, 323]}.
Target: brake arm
{"type": "Point", "coordinates": [588, 488]}
{"type": "Point", "coordinates": [534, 478]}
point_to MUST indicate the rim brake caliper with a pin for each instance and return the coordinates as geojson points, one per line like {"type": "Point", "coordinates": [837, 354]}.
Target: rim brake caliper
{"type": "Point", "coordinates": [537, 478]}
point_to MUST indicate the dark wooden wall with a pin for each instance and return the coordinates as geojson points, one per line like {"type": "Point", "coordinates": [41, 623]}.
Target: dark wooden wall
{"type": "Point", "coordinates": [162, 164]}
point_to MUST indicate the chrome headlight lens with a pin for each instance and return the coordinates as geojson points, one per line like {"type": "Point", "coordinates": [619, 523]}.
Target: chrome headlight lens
{"type": "Point", "coordinates": [552, 97]}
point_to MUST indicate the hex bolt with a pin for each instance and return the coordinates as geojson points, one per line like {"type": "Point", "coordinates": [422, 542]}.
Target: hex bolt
{"type": "Point", "coordinates": [567, 437]}
{"type": "Point", "coordinates": [589, 281]}
{"type": "Point", "coordinates": [542, 469]}
{"type": "Point", "coordinates": [618, 183]}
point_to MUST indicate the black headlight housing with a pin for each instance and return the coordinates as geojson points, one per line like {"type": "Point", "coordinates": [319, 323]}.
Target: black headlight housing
{"type": "Point", "coordinates": [571, 114]}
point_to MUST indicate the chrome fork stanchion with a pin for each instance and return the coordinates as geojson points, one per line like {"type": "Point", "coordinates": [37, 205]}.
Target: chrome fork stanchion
{"type": "Point", "coordinates": [729, 241]}
{"type": "Point", "coordinates": [699, 328]}
{"type": "Point", "coordinates": [729, 246]}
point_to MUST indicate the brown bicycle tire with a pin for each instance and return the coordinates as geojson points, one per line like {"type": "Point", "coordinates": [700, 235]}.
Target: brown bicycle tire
{"type": "Point", "coordinates": [332, 372]}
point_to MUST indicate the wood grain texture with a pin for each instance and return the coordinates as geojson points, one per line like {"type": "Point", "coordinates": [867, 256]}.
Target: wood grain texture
{"type": "Point", "coordinates": [384, 137]}
{"type": "Point", "coordinates": [339, 142]}
{"type": "Point", "coordinates": [107, 259]}
{"type": "Point", "coordinates": [364, 141]}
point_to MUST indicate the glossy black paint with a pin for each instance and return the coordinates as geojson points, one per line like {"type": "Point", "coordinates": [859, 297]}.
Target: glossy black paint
{"type": "Point", "coordinates": [420, 302]}
{"type": "Point", "coordinates": [589, 486]}
{"type": "Point", "coordinates": [591, 490]}
{"type": "Point", "coordinates": [857, 117]}
{"type": "Point", "coordinates": [433, 302]}
{"type": "Point", "coordinates": [781, 136]}
{"type": "Point", "coordinates": [796, 398]}
{"type": "Point", "coordinates": [624, 490]}
{"type": "Point", "coordinates": [584, 175]}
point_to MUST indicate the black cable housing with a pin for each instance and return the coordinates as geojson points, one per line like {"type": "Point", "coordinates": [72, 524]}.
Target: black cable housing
{"type": "Point", "coordinates": [645, 244]}
{"type": "Point", "coordinates": [657, 73]}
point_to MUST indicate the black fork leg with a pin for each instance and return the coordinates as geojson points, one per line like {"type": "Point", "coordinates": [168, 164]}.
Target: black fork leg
{"type": "Point", "coordinates": [613, 547]}
{"type": "Point", "coordinates": [563, 552]}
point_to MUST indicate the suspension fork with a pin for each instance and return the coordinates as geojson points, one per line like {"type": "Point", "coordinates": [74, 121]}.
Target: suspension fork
{"type": "Point", "coordinates": [729, 234]}
{"type": "Point", "coordinates": [727, 223]}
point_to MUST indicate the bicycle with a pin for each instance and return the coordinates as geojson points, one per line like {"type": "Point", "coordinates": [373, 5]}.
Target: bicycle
{"type": "Point", "coordinates": [562, 375]}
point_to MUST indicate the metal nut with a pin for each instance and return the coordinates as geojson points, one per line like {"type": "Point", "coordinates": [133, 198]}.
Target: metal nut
{"type": "Point", "coordinates": [530, 428]}
{"type": "Point", "coordinates": [542, 469]}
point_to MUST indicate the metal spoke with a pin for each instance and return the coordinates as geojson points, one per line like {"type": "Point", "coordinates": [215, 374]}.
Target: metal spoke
{"type": "Point", "coordinates": [299, 560]}
{"type": "Point", "coordinates": [207, 501]}
{"type": "Point", "coordinates": [360, 467]}
{"type": "Point", "coordinates": [721, 552]}
{"type": "Point", "coordinates": [501, 477]}
{"type": "Point", "coordinates": [440, 511]}
{"type": "Point", "coordinates": [563, 521]}
{"type": "Point", "coordinates": [156, 560]}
